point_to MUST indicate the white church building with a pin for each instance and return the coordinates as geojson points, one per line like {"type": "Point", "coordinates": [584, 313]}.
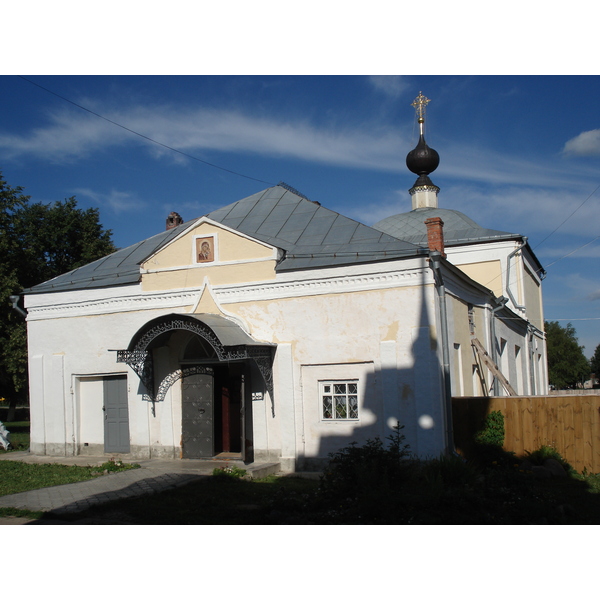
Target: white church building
{"type": "Point", "coordinates": [276, 330]}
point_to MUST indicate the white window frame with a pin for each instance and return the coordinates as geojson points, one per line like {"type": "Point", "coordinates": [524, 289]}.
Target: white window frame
{"type": "Point", "coordinates": [327, 390]}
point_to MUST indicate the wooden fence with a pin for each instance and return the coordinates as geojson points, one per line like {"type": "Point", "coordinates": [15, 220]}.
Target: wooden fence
{"type": "Point", "coordinates": [568, 423]}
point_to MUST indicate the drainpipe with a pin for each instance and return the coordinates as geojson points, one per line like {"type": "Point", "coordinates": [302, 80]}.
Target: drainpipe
{"type": "Point", "coordinates": [502, 303]}
{"type": "Point", "coordinates": [532, 385]}
{"type": "Point", "coordinates": [15, 305]}
{"type": "Point", "coordinates": [434, 261]}
{"type": "Point", "coordinates": [435, 242]}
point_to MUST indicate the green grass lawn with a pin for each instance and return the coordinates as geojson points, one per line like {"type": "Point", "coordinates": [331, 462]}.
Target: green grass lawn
{"type": "Point", "coordinates": [297, 501]}
{"type": "Point", "coordinates": [499, 498]}
{"type": "Point", "coordinates": [492, 490]}
{"type": "Point", "coordinates": [18, 476]}
{"type": "Point", "coordinates": [216, 500]}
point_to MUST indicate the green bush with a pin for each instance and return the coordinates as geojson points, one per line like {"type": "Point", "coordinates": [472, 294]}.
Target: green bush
{"type": "Point", "coordinates": [449, 470]}
{"type": "Point", "coordinates": [492, 432]}
{"type": "Point", "coordinates": [543, 453]}
{"type": "Point", "coordinates": [369, 469]}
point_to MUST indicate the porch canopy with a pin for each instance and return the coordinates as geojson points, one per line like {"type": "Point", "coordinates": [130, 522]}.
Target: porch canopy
{"type": "Point", "coordinates": [228, 340]}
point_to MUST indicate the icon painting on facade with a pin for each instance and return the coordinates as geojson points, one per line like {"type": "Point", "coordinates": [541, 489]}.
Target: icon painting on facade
{"type": "Point", "coordinates": [205, 249]}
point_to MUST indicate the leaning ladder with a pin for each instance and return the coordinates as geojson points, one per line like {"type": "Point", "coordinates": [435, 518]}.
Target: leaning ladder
{"type": "Point", "coordinates": [485, 357]}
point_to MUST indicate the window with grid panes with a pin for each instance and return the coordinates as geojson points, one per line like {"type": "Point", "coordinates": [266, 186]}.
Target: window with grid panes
{"type": "Point", "coordinates": [339, 399]}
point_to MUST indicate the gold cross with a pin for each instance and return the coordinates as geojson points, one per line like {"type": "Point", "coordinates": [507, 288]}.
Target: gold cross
{"type": "Point", "coordinates": [419, 104]}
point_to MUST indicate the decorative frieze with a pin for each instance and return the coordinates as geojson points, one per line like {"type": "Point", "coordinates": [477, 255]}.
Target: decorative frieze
{"type": "Point", "coordinates": [117, 304]}
{"type": "Point", "coordinates": [286, 287]}
{"type": "Point", "coordinates": [321, 286]}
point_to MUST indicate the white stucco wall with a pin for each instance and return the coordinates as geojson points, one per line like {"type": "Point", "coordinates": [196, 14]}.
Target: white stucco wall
{"type": "Point", "coordinates": [377, 324]}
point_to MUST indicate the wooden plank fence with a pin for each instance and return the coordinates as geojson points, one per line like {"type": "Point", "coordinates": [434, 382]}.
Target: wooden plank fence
{"type": "Point", "coordinates": [568, 423]}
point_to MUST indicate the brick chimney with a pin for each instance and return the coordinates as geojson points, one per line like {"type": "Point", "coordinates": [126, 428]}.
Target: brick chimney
{"type": "Point", "coordinates": [173, 220]}
{"type": "Point", "coordinates": [435, 235]}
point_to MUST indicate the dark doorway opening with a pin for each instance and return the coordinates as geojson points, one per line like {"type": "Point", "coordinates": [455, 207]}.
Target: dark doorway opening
{"type": "Point", "coordinates": [228, 409]}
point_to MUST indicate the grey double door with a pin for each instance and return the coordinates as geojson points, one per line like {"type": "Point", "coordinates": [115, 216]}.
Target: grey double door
{"type": "Point", "coordinates": [198, 416]}
{"type": "Point", "coordinates": [213, 421]}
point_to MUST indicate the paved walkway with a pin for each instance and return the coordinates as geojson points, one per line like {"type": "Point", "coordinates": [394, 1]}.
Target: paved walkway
{"type": "Point", "coordinates": [153, 476]}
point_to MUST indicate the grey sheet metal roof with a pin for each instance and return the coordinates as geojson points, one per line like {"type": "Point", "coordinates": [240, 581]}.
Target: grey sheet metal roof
{"type": "Point", "coordinates": [120, 268]}
{"type": "Point", "coordinates": [228, 332]}
{"type": "Point", "coordinates": [458, 228]}
{"type": "Point", "coordinates": [310, 235]}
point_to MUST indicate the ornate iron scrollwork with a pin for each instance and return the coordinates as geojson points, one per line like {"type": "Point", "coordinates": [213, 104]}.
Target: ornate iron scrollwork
{"type": "Point", "coordinates": [171, 378]}
{"type": "Point", "coordinates": [140, 362]}
{"type": "Point", "coordinates": [140, 358]}
{"type": "Point", "coordinates": [263, 357]}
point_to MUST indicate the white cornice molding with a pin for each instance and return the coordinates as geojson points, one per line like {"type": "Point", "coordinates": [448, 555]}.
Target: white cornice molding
{"type": "Point", "coordinates": [118, 304]}
{"type": "Point", "coordinates": [296, 288]}
{"type": "Point", "coordinates": [287, 285]}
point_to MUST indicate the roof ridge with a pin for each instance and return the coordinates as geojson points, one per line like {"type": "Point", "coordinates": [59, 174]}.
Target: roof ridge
{"type": "Point", "coordinates": [289, 188]}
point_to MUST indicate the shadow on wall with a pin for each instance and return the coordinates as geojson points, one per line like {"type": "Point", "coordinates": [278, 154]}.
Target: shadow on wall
{"type": "Point", "coordinates": [412, 397]}
{"type": "Point", "coordinates": [468, 416]}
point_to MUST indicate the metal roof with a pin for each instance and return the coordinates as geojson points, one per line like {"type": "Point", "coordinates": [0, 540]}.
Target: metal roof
{"type": "Point", "coordinates": [228, 332]}
{"type": "Point", "coordinates": [120, 268]}
{"type": "Point", "coordinates": [458, 228]}
{"type": "Point", "coordinates": [310, 235]}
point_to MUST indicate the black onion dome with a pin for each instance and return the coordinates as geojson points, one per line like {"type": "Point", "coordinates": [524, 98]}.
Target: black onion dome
{"type": "Point", "coordinates": [422, 160]}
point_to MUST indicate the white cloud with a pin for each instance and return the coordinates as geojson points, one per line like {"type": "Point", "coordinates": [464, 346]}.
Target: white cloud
{"type": "Point", "coordinates": [393, 86]}
{"type": "Point", "coordinates": [524, 210]}
{"type": "Point", "coordinates": [67, 137]}
{"type": "Point", "coordinates": [574, 251]}
{"type": "Point", "coordinates": [115, 200]}
{"type": "Point", "coordinates": [485, 164]}
{"type": "Point", "coordinates": [586, 143]}
{"type": "Point", "coordinates": [581, 287]}
{"type": "Point", "coordinates": [234, 131]}
{"type": "Point", "coordinates": [70, 135]}
{"type": "Point", "coordinates": [369, 214]}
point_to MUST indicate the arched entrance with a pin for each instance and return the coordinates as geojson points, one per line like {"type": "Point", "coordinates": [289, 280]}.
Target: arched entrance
{"type": "Point", "coordinates": [214, 413]}
{"type": "Point", "coordinates": [216, 361]}
{"type": "Point", "coordinates": [213, 398]}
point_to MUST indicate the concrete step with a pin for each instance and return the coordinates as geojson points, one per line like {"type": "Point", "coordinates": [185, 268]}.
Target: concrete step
{"type": "Point", "coordinates": [259, 470]}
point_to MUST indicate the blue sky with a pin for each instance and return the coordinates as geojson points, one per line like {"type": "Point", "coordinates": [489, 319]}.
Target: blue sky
{"type": "Point", "coordinates": [311, 95]}
{"type": "Point", "coordinates": [518, 154]}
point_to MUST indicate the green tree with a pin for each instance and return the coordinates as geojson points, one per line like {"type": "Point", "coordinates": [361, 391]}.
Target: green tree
{"type": "Point", "coordinates": [37, 242]}
{"type": "Point", "coordinates": [567, 365]}
{"type": "Point", "coordinates": [12, 326]}
{"type": "Point", "coordinates": [595, 362]}
{"type": "Point", "coordinates": [57, 238]}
